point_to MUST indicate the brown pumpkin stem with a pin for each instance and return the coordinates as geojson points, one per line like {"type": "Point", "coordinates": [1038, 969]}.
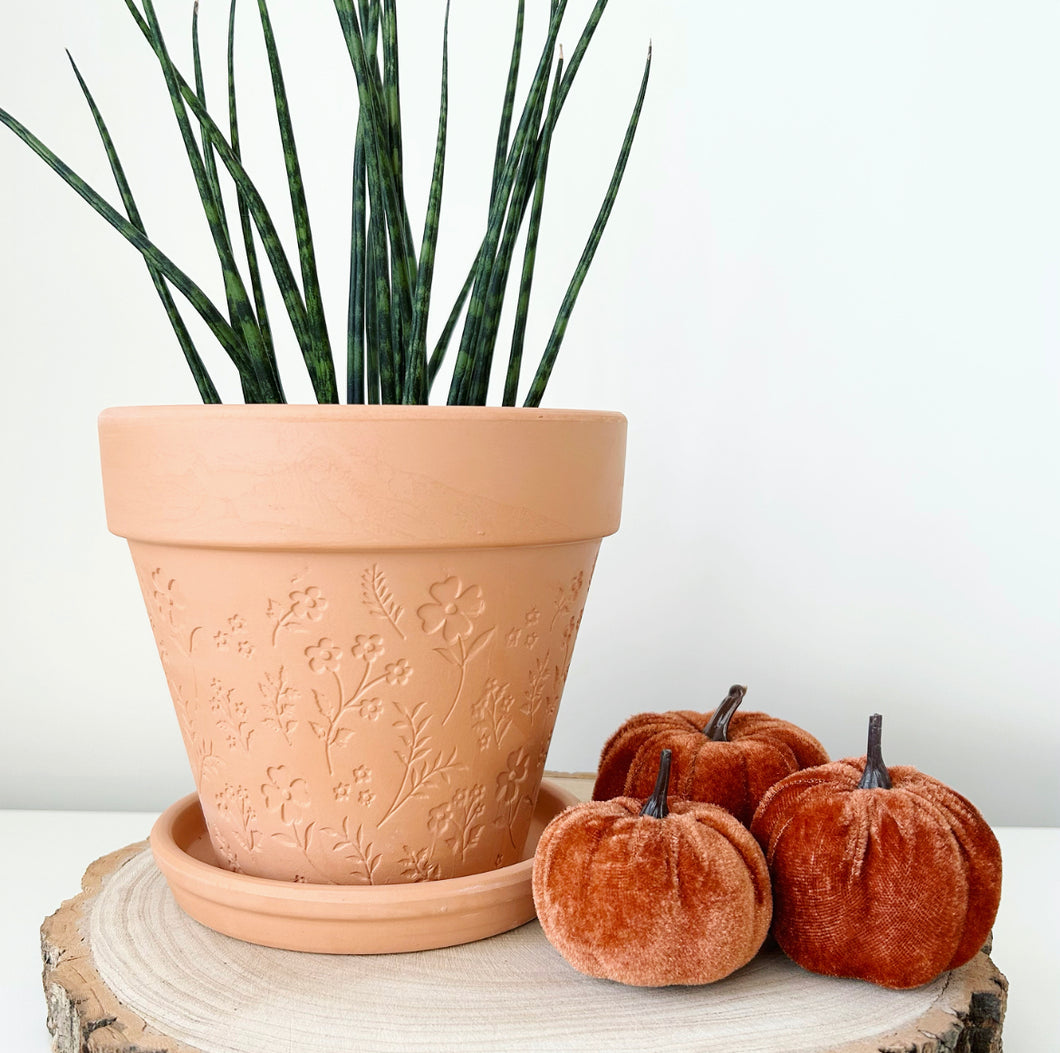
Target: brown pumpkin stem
{"type": "Point", "coordinates": [875, 775]}
{"type": "Point", "coordinates": [655, 805]}
{"type": "Point", "coordinates": [717, 729]}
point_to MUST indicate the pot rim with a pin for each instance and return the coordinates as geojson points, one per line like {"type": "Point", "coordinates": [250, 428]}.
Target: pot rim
{"type": "Point", "coordinates": [288, 412]}
{"type": "Point", "coordinates": [342, 477]}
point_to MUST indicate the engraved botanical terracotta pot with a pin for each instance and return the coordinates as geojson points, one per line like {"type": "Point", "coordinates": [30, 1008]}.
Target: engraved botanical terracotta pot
{"type": "Point", "coordinates": [365, 616]}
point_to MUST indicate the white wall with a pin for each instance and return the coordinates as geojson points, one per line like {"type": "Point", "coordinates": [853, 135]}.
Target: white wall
{"type": "Point", "coordinates": [827, 302]}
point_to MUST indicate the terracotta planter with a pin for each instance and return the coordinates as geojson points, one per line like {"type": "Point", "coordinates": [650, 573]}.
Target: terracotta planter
{"type": "Point", "coordinates": [365, 616]}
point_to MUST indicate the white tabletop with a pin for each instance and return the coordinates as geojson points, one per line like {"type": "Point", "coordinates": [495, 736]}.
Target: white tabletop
{"type": "Point", "coordinates": [49, 851]}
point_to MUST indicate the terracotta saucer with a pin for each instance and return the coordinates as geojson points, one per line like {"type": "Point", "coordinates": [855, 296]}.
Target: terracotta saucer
{"type": "Point", "coordinates": [344, 919]}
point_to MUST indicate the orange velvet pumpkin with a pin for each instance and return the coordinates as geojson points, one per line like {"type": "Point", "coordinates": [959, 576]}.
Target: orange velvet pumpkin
{"type": "Point", "coordinates": [882, 874]}
{"type": "Point", "coordinates": [724, 758]}
{"type": "Point", "coordinates": [652, 893]}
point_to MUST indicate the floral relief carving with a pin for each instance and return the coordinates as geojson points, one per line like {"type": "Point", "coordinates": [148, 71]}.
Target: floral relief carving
{"type": "Point", "coordinates": [511, 790]}
{"type": "Point", "coordinates": [324, 657]}
{"type": "Point", "coordinates": [418, 865]}
{"type": "Point", "coordinates": [358, 789]}
{"type": "Point", "coordinates": [285, 795]}
{"type": "Point", "coordinates": [301, 607]}
{"type": "Point", "coordinates": [369, 708]}
{"type": "Point", "coordinates": [397, 673]}
{"type": "Point", "coordinates": [459, 821]}
{"type": "Point", "coordinates": [232, 637]}
{"type": "Point", "coordinates": [343, 672]}
{"type": "Point", "coordinates": [452, 614]}
{"type": "Point", "coordinates": [332, 854]}
{"type": "Point", "coordinates": [527, 634]}
{"type": "Point", "coordinates": [166, 601]}
{"type": "Point", "coordinates": [538, 700]}
{"type": "Point", "coordinates": [424, 765]}
{"type": "Point", "coordinates": [377, 597]}
{"type": "Point", "coordinates": [567, 597]}
{"type": "Point", "coordinates": [358, 851]}
{"type": "Point", "coordinates": [494, 713]}
{"type": "Point", "coordinates": [230, 714]}
{"type": "Point", "coordinates": [199, 748]}
{"type": "Point", "coordinates": [280, 705]}
{"type": "Point", "coordinates": [452, 611]}
{"type": "Point", "coordinates": [234, 806]}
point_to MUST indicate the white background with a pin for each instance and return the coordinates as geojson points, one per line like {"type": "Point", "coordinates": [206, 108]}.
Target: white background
{"type": "Point", "coordinates": [827, 303]}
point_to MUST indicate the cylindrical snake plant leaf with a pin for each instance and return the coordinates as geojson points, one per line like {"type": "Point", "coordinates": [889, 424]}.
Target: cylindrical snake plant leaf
{"type": "Point", "coordinates": [320, 362]}
{"type": "Point", "coordinates": [247, 231]}
{"type": "Point", "coordinates": [226, 336]}
{"type": "Point", "coordinates": [239, 308]}
{"type": "Point", "coordinates": [207, 391]}
{"type": "Point", "coordinates": [416, 380]}
{"type": "Point", "coordinates": [548, 359]}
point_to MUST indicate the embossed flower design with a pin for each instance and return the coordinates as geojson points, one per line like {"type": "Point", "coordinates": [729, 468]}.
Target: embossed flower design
{"type": "Point", "coordinates": [510, 781]}
{"type": "Point", "coordinates": [168, 599]}
{"type": "Point", "coordinates": [307, 604]}
{"type": "Point", "coordinates": [452, 610]}
{"type": "Point", "coordinates": [398, 673]}
{"type": "Point", "coordinates": [368, 648]}
{"type": "Point", "coordinates": [342, 791]}
{"type": "Point", "coordinates": [370, 708]}
{"type": "Point", "coordinates": [416, 865]}
{"type": "Point", "coordinates": [324, 657]}
{"type": "Point", "coordinates": [361, 774]}
{"type": "Point", "coordinates": [365, 797]}
{"type": "Point", "coordinates": [441, 820]}
{"type": "Point", "coordinates": [284, 795]}
{"type": "Point", "coordinates": [533, 616]}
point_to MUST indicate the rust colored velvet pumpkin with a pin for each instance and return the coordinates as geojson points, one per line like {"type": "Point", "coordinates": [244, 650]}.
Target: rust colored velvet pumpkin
{"type": "Point", "coordinates": [726, 758]}
{"type": "Point", "coordinates": [882, 874]}
{"type": "Point", "coordinates": [650, 893]}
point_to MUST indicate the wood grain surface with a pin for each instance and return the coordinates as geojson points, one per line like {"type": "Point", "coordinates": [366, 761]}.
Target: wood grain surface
{"type": "Point", "coordinates": [127, 972]}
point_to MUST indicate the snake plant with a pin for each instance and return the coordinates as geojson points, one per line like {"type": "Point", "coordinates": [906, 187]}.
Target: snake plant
{"type": "Point", "coordinates": [390, 277]}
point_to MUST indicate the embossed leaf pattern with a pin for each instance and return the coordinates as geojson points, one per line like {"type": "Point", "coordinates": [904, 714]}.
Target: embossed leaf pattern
{"type": "Point", "coordinates": [459, 821]}
{"type": "Point", "coordinates": [494, 713]}
{"type": "Point", "coordinates": [280, 707]}
{"type": "Point", "coordinates": [377, 597]}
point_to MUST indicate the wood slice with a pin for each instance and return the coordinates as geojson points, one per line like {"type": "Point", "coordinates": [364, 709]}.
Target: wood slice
{"type": "Point", "coordinates": [126, 971]}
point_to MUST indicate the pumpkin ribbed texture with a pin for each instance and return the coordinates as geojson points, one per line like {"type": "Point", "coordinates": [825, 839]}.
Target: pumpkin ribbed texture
{"type": "Point", "coordinates": [646, 901]}
{"type": "Point", "coordinates": [894, 886]}
{"type": "Point", "coordinates": [734, 774]}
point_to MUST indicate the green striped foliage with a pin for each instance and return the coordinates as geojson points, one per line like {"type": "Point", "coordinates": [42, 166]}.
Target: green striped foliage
{"type": "Point", "coordinates": [390, 276]}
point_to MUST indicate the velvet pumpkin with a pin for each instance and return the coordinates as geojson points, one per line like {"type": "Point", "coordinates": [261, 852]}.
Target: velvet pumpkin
{"type": "Point", "coordinates": [650, 892]}
{"type": "Point", "coordinates": [882, 874]}
{"type": "Point", "coordinates": [726, 758]}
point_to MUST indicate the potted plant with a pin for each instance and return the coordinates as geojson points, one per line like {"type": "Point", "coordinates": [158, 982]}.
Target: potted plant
{"type": "Point", "coordinates": [365, 612]}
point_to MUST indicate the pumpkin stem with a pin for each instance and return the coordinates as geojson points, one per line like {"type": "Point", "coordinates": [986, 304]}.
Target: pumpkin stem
{"type": "Point", "coordinates": [655, 805]}
{"type": "Point", "coordinates": [875, 775]}
{"type": "Point", "coordinates": [717, 729]}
